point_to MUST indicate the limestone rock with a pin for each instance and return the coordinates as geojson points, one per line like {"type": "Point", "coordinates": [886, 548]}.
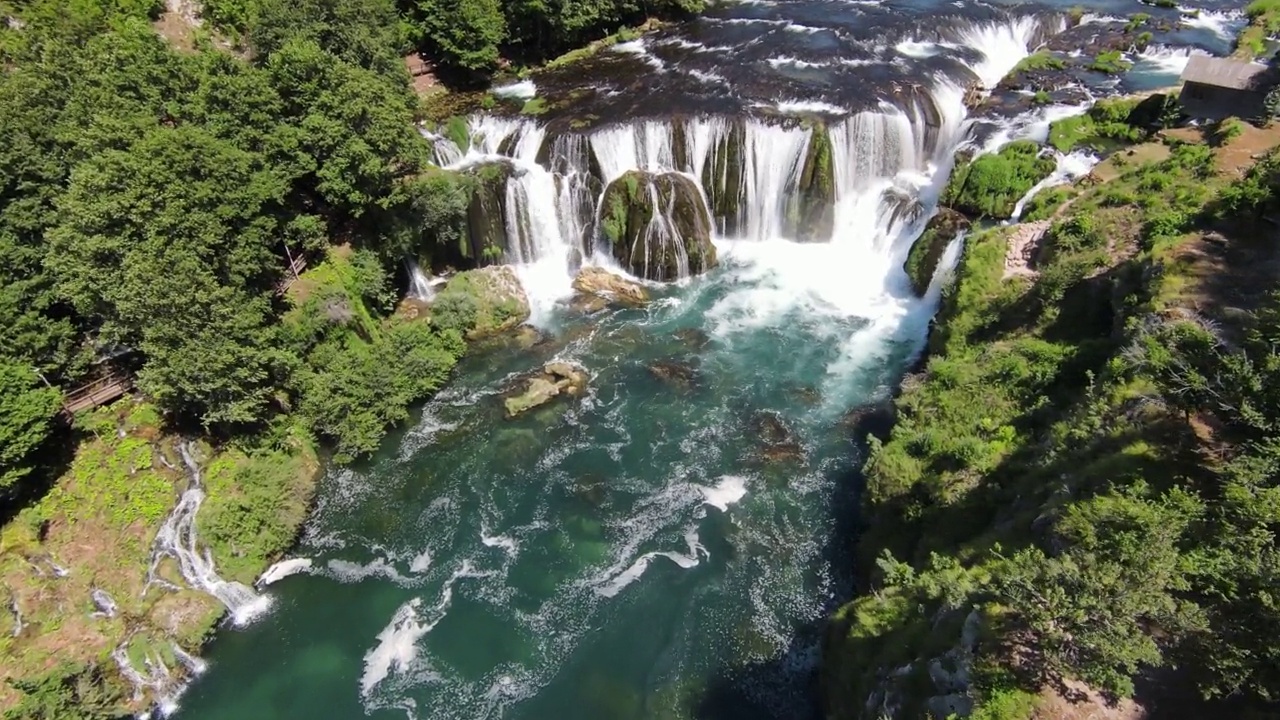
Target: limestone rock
{"type": "Point", "coordinates": [657, 225]}
{"type": "Point", "coordinates": [556, 378]}
{"type": "Point", "coordinates": [926, 252]}
{"type": "Point", "coordinates": [486, 213]}
{"type": "Point", "coordinates": [482, 302]}
{"type": "Point", "coordinates": [682, 374]}
{"type": "Point", "coordinates": [613, 288]}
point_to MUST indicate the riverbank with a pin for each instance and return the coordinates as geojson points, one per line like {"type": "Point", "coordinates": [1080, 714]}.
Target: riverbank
{"type": "Point", "coordinates": [100, 619]}
{"type": "Point", "coordinates": [1049, 467]}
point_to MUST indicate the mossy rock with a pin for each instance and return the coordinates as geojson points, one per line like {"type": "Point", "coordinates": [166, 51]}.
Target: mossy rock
{"type": "Point", "coordinates": [724, 179]}
{"type": "Point", "coordinates": [555, 379]}
{"type": "Point", "coordinates": [657, 226]}
{"type": "Point", "coordinates": [927, 250]}
{"type": "Point", "coordinates": [486, 240]}
{"type": "Point", "coordinates": [991, 185]}
{"type": "Point", "coordinates": [811, 209]}
{"type": "Point", "coordinates": [482, 302]}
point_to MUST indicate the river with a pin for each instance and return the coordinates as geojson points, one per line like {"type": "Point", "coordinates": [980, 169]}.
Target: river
{"type": "Point", "coordinates": [668, 545]}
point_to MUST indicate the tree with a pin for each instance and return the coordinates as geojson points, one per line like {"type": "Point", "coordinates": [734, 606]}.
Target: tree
{"type": "Point", "coordinates": [169, 245]}
{"type": "Point", "coordinates": [464, 33]}
{"type": "Point", "coordinates": [27, 408]}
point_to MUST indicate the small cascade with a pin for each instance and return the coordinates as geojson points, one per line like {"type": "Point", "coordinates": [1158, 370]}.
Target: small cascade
{"type": "Point", "coordinates": [419, 282]}
{"type": "Point", "coordinates": [154, 681]}
{"type": "Point", "coordinates": [1071, 166]}
{"type": "Point", "coordinates": [177, 539]}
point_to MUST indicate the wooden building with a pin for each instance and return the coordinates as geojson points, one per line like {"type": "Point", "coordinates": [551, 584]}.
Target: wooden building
{"type": "Point", "coordinates": [1216, 88]}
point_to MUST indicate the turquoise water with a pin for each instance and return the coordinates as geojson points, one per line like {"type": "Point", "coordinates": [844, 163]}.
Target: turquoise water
{"type": "Point", "coordinates": [481, 567]}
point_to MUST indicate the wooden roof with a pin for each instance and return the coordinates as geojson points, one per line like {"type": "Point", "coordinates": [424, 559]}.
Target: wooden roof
{"type": "Point", "coordinates": [1221, 72]}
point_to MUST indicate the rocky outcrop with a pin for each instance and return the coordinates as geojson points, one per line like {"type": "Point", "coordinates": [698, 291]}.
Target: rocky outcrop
{"type": "Point", "coordinates": [481, 303]}
{"type": "Point", "coordinates": [555, 379]}
{"type": "Point", "coordinates": [486, 213]}
{"type": "Point", "coordinates": [724, 179]}
{"type": "Point", "coordinates": [609, 287]}
{"type": "Point", "coordinates": [926, 252]}
{"type": "Point", "coordinates": [657, 226]}
{"type": "Point", "coordinates": [812, 207]}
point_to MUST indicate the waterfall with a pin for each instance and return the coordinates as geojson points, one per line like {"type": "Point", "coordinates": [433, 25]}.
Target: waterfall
{"type": "Point", "coordinates": [419, 283]}
{"type": "Point", "coordinates": [1070, 166]}
{"type": "Point", "coordinates": [885, 170]}
{"type": "Point", "coordinates": [177, 539]}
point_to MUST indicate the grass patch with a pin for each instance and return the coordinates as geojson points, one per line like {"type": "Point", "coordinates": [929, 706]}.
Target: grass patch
{"type": "Point", "coordinates": [1111, 62]}
{"type": "Point", "coordinates": [1040, 60]}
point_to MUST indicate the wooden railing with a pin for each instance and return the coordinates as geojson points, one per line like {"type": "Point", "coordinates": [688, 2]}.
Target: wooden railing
{"type": "Point", "coordinates": [98, 392]}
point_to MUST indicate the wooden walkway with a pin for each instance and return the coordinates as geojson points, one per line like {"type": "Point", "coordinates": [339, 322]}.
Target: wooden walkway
{"type": "Point", "coordinates": [98, 392]}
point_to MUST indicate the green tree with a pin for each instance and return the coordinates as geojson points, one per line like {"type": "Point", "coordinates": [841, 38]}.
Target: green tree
{"type": "Point", "coordinates": [169, 245]}
{"type": "Point", "coordinates": [464, 33]}
{"type": "Point", "coordinates": [67, 692]}
{"type": "Point", "coordinates": [27, 408]}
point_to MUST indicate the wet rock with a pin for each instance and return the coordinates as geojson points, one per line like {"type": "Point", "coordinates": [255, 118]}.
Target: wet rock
{"type": "Point", "coordinates": [555, 379]}
{"type": "Point", "coordinates": [724, 178]}
{"type": "Point", "coordinates": [657, 225]}
{"type": "Point", "coordinates": [486, 213]}
{"type": "Point", "coordinates": [694, 338]}
{"type": "Point", "coordinates": [922, 261]}
{"type": "Point", "coordinates": [811, 210]}
{"type": "Point", "coordinates": [777, 443]}
{"type": "Point", "coordinates": [875, 419]}
{"type": "Point", "coordinates": [805, 395]}
{"type": "Point", "coordinates": [611, 288]}
{"type": "Point", "coordinates": [680, 373]}
{"type": "Point", "coordinates": [584, 304]}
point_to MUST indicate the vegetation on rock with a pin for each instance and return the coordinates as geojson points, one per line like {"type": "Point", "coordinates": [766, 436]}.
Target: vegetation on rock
{"type": "Point", "coordinates": [657, 226]}
{"type": "Point", "coordinates": [926, 252]}
{"type": "Point", "coordinates": [991, 185]}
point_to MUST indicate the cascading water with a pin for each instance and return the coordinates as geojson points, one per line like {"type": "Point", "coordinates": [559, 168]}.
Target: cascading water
{"type": "Point", "coordinates": [177, 539]}
{"type": "Point", "coordinates": [638, 551]}
{"type": "Point", "coordinates": [419, 283]}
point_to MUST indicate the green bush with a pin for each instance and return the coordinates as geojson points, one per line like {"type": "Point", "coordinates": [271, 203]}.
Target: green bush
{"type": "Point", "coordinates": [992, 184]}
{"type": "Point", "coordinates": [1111, 62]}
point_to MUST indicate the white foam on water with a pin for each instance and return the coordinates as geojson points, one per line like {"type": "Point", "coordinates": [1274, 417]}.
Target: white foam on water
{"type": "Point", "coordinates": [801, 107]}
{"type": "Point", "coordinates": [633, 573]}
{"type": "Point", "coordinates": [398, 643]}
{"type": "Point", "coordinates": [794, 62]}
{"type": "Point", "coordinates": [420, 562]}
{"type": "Point", "coordinates": [730, 490]}
{"type": "Point", "coordinates": [348, 572]}
{"type": "Point", "coordinates": [505, 542]}
{"type": "Point", "coordinates": [284, 569]}
{"type": "Point", "coordinates": [914, 49]}
{"type": "Point", "coordinates": [1225, 24]}
{"type": "Point", "coordinates": [523, 90]}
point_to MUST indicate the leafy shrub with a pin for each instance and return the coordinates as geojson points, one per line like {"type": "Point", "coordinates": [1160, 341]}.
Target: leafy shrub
{"type": "Point", "coordinates": [1111, 62]}
{"type": "Point", "coordinates": [991, 185]}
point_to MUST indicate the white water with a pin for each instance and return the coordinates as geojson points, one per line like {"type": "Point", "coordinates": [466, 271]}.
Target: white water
{"type": "Point", "coordinates": [177, 539]}
{"type": "Point", "coordinates": [419, 282]}
{"type": "Point", "coordinates": [523, 90]}
{"type": "Point", "coordinates": [284, 569]}
{"type": "Point", "coordinates": [1070, 167]}
{"type": "Point", "coordinates": [730, 490]}
{"type": "Point", "coordinates": [889, 166]}
{"type": "Point", "coordinates": [1164, 60]}
{"type": "Point", "coordinates": [685, 561]}
{"type": "Point", "coordinates": [1224, 24]}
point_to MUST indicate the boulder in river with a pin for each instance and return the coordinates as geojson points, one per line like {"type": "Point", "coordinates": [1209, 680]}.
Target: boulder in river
{"type": "Point", "coordinates": [926, 252]}
{"type": "Point", "coordinates": [777, 443]}
{"type": "Point", "coordinates": [556, 378]}
{"type": "Point", "coordinates": [611, 287]}
{"type": "Point", "coordinates": [682, 374]}
{"type": "Point", "coordinates": [657, 225]}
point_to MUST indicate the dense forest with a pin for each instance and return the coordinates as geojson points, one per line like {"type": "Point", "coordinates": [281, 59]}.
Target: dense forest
{"type": "Point", "coordinates": [154, 193]}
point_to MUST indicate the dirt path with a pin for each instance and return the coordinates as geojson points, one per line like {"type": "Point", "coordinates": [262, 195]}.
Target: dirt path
{"type": "Point", "coordinates": [1023, 243]}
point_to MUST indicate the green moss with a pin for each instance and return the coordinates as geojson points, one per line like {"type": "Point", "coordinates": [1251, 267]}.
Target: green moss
{"type": "Point", "coordinates": [458, 132]}
{"type": "Point", "coordinates": [1107, 124]}
{"type": "Point", "coordinates": [535, 106]}
{"type": "Point", "coordinates": [1039, 60]}
{"type": "Point", "coordinates": [1111, 62]}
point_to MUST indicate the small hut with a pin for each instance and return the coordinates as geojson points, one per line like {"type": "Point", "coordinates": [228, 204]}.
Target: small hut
{"type": "Point", "coordinates": [1216, 88]}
